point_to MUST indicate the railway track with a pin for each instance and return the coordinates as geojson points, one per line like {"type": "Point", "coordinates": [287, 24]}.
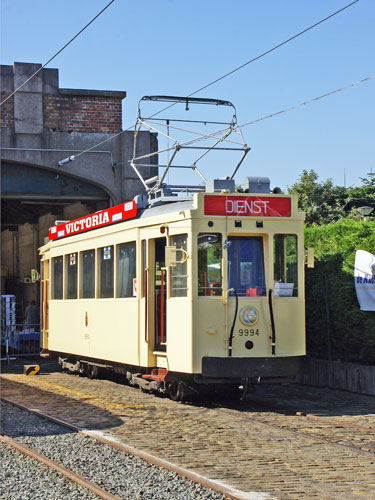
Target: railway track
{"type": "Point", "coordinates": [294, 425]}
{"type": "Point", "coordinates": [222, 492]}
{"type": "Point", "coordinates": [291, 418]}
{"type": "Point", "coordinates": [58, 468]}
{"type": "Point", "coordinates": [254, 448]}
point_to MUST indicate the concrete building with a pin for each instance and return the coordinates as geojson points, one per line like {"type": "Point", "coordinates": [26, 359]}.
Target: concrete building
{"type": "Point", "coordinates": [41, 125]}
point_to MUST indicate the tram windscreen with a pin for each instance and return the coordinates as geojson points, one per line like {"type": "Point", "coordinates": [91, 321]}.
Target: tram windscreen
{"type": "Point", "coordinates": [246, 266]}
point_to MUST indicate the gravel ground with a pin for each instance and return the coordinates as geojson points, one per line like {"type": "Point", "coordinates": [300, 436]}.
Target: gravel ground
{"type": "Point", "coordinates": [23, 478]}
{"type": "Point", "coordinates": [123, 475]}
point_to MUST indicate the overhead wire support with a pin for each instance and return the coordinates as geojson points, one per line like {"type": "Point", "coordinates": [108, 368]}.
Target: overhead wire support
{"type": "Point", "coordinates": [219, 138]}
{"type": "Point", "coordinates": [57, 53]}
{"type": "Point", "coordinates": [213, 135]}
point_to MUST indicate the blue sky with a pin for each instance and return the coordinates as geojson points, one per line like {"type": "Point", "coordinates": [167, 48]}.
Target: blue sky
{"type": "Point", "coordinates": [173, 47]}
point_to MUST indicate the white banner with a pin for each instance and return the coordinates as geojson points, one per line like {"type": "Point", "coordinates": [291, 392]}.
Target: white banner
{"type": "Point", "coordinates": [364, 279]}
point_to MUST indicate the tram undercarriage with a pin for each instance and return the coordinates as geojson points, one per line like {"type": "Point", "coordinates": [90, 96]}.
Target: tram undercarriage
{"type": "Point", "coordinates": [219, 375]}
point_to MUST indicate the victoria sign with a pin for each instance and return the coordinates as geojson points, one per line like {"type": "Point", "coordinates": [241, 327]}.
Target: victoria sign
{"type": "Point", "coordinates": [103, 218]}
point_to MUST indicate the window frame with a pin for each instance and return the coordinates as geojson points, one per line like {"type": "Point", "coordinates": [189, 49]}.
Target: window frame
{"type": "Point", "coordinates": [175, 268]}
{"type": "Point", "coordinates": [283, 280]}
{"type": "Point", "coordinates": [99, 270]}
{"type": "Point", "coordinates": [213, 292]}
{"type": "Point", "coordinates": [66, 274]}
{"type": "Point", "coordinates": [133, 267]}
{"type": "Point", "coordinates": [256, 289]}
{"type": "Point", "coordinates": [53, 289]}
{"type": "Point", "coordinates": [82, 273]}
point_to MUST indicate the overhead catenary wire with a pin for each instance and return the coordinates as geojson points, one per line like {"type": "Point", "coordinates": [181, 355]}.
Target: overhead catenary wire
{"type": "Point", "coordinates": [272, 49]}
{"type": "Point", "coordinates": [272, 115]}
{"type": "Point", "coordinates": [281, 44]}
{"type": "Point", "coordinates": [291, 108]}
{"type": "Point", "coordinates": [239, 127]}
{"type": "Point", "coordinates": [57, 53]}
{"type": "Point", "coordinates": [229, 73]}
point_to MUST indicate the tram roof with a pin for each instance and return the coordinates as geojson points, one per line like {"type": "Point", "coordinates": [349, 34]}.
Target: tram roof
{"type": "Point", "coordinates": [166, 208]}
{"type": "Point", "coordinates": [235, 204]}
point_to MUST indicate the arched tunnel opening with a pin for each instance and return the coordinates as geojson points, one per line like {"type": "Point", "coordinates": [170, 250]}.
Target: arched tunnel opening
{"type": "Point", "coordinates": [32, 199]}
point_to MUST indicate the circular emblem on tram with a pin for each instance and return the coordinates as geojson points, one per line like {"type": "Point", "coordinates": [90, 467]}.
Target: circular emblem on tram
{"type": "Point", "coordinates": [248, 315]}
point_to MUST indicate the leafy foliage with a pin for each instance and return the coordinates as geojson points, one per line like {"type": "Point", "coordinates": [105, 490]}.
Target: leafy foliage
{"type": "Point", "coordinates": [335, 325]}
{"type": "Point", "coordinates": [362, 196]}
{"type": "Point", "coordinates": [324, 203]}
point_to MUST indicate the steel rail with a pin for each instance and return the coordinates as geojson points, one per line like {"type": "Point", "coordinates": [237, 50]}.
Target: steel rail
{"type": "Point", "coordinates": [296, 432]}
{"type": "Point", "coordinates": [230, 493]}
{"type": "Point", "coordinates": [268, 405]}
{"type": "Point", "coordinates": [58, 468]}
{"type": "Point", "coordinates": [337, 422]}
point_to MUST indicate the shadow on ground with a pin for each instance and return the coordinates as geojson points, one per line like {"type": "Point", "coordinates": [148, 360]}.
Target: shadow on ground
{"type": "Point", "coordinates": [286, 399]}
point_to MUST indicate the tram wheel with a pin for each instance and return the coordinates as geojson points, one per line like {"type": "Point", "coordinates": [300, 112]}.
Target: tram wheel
{"type": "Point", "coordinates": [176, 391]}
{"type": "Point", "coordinates": [92, 371]}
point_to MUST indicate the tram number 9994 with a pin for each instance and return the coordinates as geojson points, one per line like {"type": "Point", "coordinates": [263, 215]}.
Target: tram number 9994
{"type": "Point", "coordinates": [246, 332]}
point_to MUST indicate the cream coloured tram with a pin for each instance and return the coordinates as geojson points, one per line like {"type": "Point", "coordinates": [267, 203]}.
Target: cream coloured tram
{"type": "Point", "coordinates": [181, 294]}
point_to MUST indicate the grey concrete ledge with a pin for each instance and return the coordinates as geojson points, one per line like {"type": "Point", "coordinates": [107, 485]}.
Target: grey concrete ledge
{"type": "Point", "coordinates": [352, 377]}
{"type": "Point", "coordinates": [93, 93]}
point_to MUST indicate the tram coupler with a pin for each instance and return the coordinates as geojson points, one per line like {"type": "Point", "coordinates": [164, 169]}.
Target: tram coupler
{"type": "Point", "coordinates": [246, 387]}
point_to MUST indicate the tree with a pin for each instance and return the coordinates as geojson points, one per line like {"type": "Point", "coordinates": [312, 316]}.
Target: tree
{"type": "Point", "coordinates": [362, 196]}
{"type": "Point", "coordinates": [322, 202]}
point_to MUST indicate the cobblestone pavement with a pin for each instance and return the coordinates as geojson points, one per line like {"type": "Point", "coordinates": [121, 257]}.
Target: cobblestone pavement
{"type": "Point", "coordinates": [226, 445]}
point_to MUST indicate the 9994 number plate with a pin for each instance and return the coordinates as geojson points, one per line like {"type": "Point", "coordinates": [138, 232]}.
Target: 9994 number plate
{"type": "Point", "coordinates": [248, 332]}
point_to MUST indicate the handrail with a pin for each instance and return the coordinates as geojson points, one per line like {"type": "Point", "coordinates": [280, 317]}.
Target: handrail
{"type": "Point", "coordinates": [146, 303]}
{"type": "Point", "coordinates": [231, 335]}
{"type": "Point", "coordinates": [273, 338]}
{"type": "Point", "coordinates": [163, 270]}
{"type": "Point", "coordinates": [41, 306]}
{"type": "Point", "coordinates": [225, 302]}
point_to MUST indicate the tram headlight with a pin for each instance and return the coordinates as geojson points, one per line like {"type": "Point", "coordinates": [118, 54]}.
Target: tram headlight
{"type": "Point", "coordinates": [249, 315]}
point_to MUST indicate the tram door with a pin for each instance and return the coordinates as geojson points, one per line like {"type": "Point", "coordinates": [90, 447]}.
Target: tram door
{"type": "Point", "coordinates": [158, 294]}
{"type": "Point", "coordinates": [44, 303]}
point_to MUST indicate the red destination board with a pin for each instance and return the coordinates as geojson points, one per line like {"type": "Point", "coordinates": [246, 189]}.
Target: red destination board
{"type": "Point", "coordinates": [103, 218]}
{"type": "Point", "coordinates": [247, 206]}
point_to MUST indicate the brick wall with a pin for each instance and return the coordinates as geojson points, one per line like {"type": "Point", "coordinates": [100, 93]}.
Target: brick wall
{"type": "Point", "coordinates": [7, 112]}
{"type": "Point", "coordinates": [87, 114]}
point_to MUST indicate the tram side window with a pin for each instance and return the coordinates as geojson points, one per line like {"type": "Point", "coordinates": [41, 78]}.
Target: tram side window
{"type": "Point", "coordinates": [106, 269]}
{"type": "Point", "coordinates": [285, 265]}
{"type": "Point", "coordinates": [57, 287]}
{"type": "Point", "coordinates": [179, 271]}
{"type": "Point", "coordinates": [209, 264]}
{"type": "Point", "coordinates": [71, 275]}
{"type": "Point", "coordinates": [88, 274]}
{"type": "Point", "coordinates": [126, 270]}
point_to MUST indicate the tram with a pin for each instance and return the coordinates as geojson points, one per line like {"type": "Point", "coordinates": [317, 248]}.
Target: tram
{"type": "Point", "coordinates": [180, 293]}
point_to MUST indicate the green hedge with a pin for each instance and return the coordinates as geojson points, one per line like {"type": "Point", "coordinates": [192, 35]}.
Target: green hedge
{"type": "Point", "coordinates": [335, 326]}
